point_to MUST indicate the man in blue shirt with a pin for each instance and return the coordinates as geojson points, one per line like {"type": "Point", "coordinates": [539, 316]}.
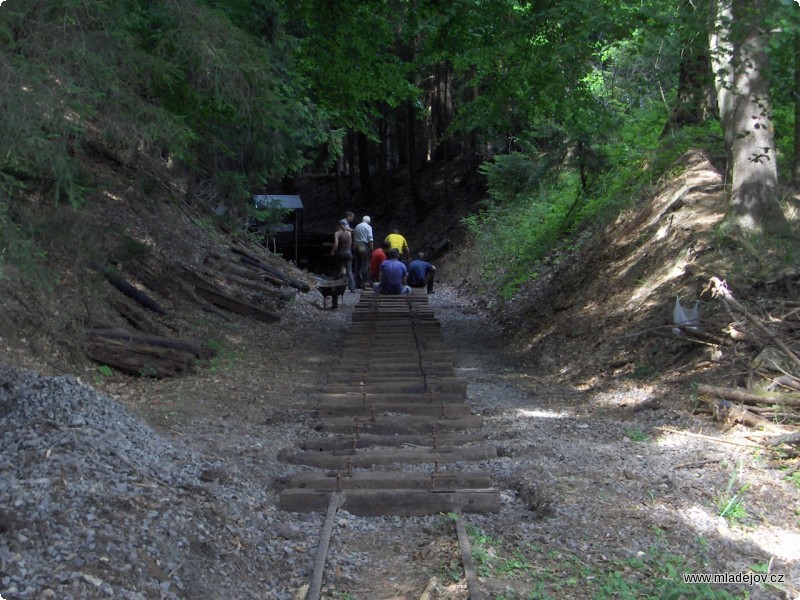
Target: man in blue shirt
{"type": "Point", "coordinates": [421, 273]}
{"type": "Point", "coordinates": [393, 276]}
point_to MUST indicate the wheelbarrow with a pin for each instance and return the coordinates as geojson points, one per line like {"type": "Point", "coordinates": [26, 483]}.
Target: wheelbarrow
{"type": "Point", "coordinates": [333, 290]}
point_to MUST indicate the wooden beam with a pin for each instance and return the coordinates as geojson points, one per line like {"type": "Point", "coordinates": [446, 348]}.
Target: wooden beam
{"type": "Point", "coordinates": [315, 588]}
{"type": "Point", "coordinates": [466, 559]}
{"type": "Point", "coordinates": [370, 441]}
{"type": "Point", "coordinates": [369, 398]}
{"type": "Point", "coordinates": [407, 386]}
{"type": "Point", "coordinates": [366, 411]}
{"type": "Point", "coordinates": [405, 503]}
{"type": "Point", "coordinates": [439, 480]}
{"type": "Point", "coordinates": [399, 425]}
{"type": "Point", "coordinates": [344, 460]}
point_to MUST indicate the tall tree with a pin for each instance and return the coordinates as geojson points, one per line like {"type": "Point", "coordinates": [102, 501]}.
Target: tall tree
{"type": "Point", "coordinates": [693, 102]}
{"type": "Point", "coordinates": [796, 162]}
{"type": "Point", "coordinates": [741, 67]}
{"type": "Point", "coordinates": [348, 55]}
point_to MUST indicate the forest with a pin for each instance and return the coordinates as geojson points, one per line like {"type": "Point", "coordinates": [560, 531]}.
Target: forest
{"type": "Point", "coordinates": [614, 187]}
{"type": "Point", "coordinates": [569, 109]}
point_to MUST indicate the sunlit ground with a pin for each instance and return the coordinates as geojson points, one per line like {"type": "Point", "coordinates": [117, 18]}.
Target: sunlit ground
{"type": "Point", "coordinates": [541, 414]}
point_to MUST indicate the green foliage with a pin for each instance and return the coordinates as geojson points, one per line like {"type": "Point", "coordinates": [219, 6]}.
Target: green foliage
{"type": "Point", "coordinates": [642, 371]}
{"type": "Point", "coordinates": [105, 370]}
{"type": "Point", "coordinates": [518, 234]}
{"type": "Point", "coordinates": [18, 249]}
{"type": "Point", "coordinates": [350, 54]}
{"type": "Point", "coordinates": [536, 208]}
{"type": "Point", "coordinates": [636, 435]}
{"type": "Point", "coordinates": [147, 372]}
{"type": "Point", "coordinates": [222, 357]}
{"type": "Point", "coordinates": [192, 81]}
{"type": "Point", "coordinates": [730, 504]}
{"type": "Point", "coordinates": [656, 573]}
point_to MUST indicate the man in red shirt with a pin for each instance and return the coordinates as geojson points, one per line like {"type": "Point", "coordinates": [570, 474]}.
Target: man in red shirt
{"type": "Point", "coordinates": [378, 256]}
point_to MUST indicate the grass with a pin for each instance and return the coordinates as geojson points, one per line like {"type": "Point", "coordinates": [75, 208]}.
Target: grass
{"type": "Point", "coordinates": [532, 572]}
{"type": "Point", "coordinates": [642, 371]}
{"type": "Point", "coordinates": [103, 372]}
{"type": "Point", "coordinates": [636, 435]}
{"type": "Point", "coordinates": [730, 504]}
{"type": "Point", "coordinates": [223, 358]}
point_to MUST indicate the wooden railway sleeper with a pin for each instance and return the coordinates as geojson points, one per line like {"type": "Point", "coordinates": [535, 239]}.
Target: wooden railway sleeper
{"type": "Point", "coordinates": [346, 451]}
{"type": "Point", "coordinates": [449, 478]}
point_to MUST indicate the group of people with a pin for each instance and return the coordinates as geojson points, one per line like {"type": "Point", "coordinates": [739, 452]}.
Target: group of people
{"type": "Point", "coordinates": [359, 261]}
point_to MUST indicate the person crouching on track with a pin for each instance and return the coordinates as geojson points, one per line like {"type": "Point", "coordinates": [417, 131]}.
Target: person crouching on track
{"type": "Point", "coordinates": [393, 278]}
{"type": "Point", "coordinates": [421, 273]}
{"type": "Point", "coordinates": [375, 262]}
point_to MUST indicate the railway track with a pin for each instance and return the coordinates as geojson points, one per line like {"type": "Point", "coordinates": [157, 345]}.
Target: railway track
{"type": "Point", "coordinates": [394, 434]}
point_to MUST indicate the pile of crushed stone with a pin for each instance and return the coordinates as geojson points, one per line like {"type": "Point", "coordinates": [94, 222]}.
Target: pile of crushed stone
{"type": "Point", "coordinates": [95, 503]}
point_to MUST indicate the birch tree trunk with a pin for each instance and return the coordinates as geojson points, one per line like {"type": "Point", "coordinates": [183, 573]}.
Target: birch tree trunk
{"type": "Point", "coordinates": [796, 164]}
{"type": "Point", "coordinates": [741, 65]}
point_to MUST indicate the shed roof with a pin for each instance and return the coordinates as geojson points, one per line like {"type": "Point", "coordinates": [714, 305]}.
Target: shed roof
{"type": "Point", "coordinates": [278, 201]}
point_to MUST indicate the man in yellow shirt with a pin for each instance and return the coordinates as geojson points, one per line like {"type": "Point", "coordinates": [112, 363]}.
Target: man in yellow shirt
{"type": "Point", "coordinates": [398, 242]}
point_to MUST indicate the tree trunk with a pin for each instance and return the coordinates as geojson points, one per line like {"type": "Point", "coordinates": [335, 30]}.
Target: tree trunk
{"type": "Point", "coordinates": [441, 113]}
{"type": "Point", "coordinates": [796, 164]}
{"type": "Point", "coordinates": [351, 165]}
{"type": "Point", "coordinates": [383, 148]}
{"type": "Point", "coordinates": [411, 127]}
{"type": "Point", "coordinates": [363, 169]}
{"type": "Point", "coordinates": [738, 50]}
{"type": "Point", "coordinates": [693, 104]}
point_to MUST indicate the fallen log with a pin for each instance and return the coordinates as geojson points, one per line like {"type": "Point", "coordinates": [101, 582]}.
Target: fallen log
{"type": "Point", "coordinates": [274, 298]}
{"type": "Point", "coordinates": [299, 285]}
{"type": "Point", "coordinates": [143, 364]}
{"type": "Point", "coordinates": [147, 342]}
{"type": "Point", "coordinates": [786, 438]}
{"type": "Point", "coordinates": [235, 305]}
{"type": "Point", "coordinates": [731, 413]}
{"type": "Point", "coordinates": [144, 355]}
{"type": "Point", "coordinates": [208, 291]}
{"type": "Point", "coordinates": [248, 277]}
{"type": "Point", "coordinates": [252, 259]}
{"type": "Point", "coordinates": [133, 292]}
{"type": "Point", "coordinates": [160, 283]}
{"type": "Point", "coordinates": [134, 318]}
{"type": "Point", "coordinates": [470, 573]}
{"type": "Point", "coordinates": [242, 270]}
{"type": "Point", "coordinates": [749, 397]}
{"type": "Point", "coordinates": [720, 289]}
